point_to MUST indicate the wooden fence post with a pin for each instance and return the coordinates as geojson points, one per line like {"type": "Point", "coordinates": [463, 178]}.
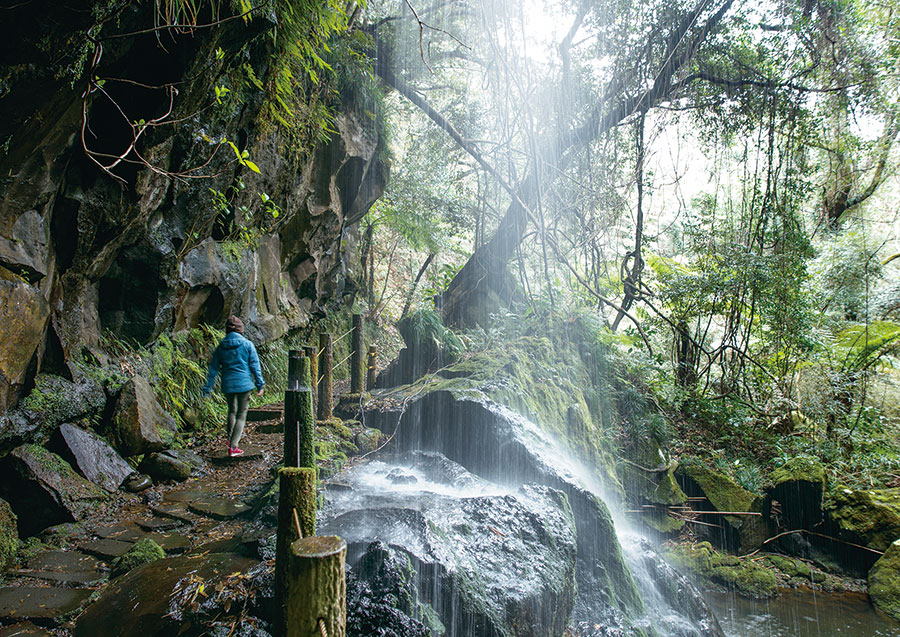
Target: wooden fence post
{"type": "Point", "coordinates": [312, 352]}
{"type": "Point", "coordinates": [370, 367]}
{"type": "Point", "coordinates": [326, 397]}
{"type": "Point", "coordinates": [316, 587]}
{"type": "Point", "coordinates": [296, 508]}
{"type": "Point", "coordinates": [299, 419]}
{"type": "Point", "coordinates": [357, 360]}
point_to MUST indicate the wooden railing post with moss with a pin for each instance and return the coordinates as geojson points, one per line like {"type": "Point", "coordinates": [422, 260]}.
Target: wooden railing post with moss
{"type": "Point", "coordinates": [357, 360]}
{"type": "Point", "coordinates": [312, 352]}
{"type": "Point", "coordinates": [296, 565]}
{"type": "Point", "coordinates": [326, 396]}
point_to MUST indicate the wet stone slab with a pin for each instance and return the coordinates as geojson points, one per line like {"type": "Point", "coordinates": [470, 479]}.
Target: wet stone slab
{"type": "Point", "coordinates": [70, 567]}
{"type": "Point", "coordinates": [24, 629]}
{"type": "Point", "coordinates": [219, 508]}
{"type": "Point", "coordinates": [31, 602]}
{"type": "Point", "coordinates": [160, 524]}
{"type": "Point", "coordinates": [188, 495]}
{"type": "Point", "coordinates": [171, 543]}
{"type": "Point", "coordinates": [260, 414]}
{"type": "Point", "coordinates": [178, 511]}
{"type": "Point", "coordinates": [105, 549]}
{"type": "Point", "coordinates": [121, 532]}
{"type": "Point", "coordinates": [221, 457]}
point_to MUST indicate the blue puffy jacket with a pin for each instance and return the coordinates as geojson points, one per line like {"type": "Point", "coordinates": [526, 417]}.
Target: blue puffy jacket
{"type": "Point", "coordinates": [236, 358]}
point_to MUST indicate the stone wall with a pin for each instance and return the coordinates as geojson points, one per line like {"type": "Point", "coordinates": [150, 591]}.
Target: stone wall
{"type": "Point", "coordinates": [82, 252]}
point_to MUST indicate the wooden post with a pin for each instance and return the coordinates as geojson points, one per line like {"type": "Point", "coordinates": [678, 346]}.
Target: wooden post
{"type": "Point", "coordinates": [370, 367]}
{"type": "Point", "coordinates": [357, 360]}
{"type": "Point", "coordinates": [299, 419]}
{"type": "Point", "coordinates": [312, 352]}
{"type": "Point", "coordinates": [317, 587]}
{"type": "Point", "coordinates": [293, 379]}
{"type": "Point", "coordinates": [326, 397]}
{"type": "Point", "coordinates": [296, 492]}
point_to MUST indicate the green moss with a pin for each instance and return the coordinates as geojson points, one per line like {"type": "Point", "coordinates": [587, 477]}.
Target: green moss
{"type": "Point", "coordinates": [739, 574]}
{"type": "Point", "coordinates": [870, 517]}
{"type": "Point", "coordinates": [884, 581]}
{"type": "Point", "coordinates": [9, 535]}
{"type": "Point", "coordinates": [799, 469]}
{"type": "Point", "coordinates": [144, 551]}
{"type": "Point", "coordinates": [796, 568]}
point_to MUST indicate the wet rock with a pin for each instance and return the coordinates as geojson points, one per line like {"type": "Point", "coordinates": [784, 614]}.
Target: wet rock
{"type": "Point", "coordinates": [736, 533]}
{"type": "Point", "coordinates": [23, 314]}
{"type": "Point", "coordinates": [137, 482]}
{"type": "Point", "coordinates": [159, 524]}
{"type": "Point", "coordinates": [92, 457]}
{"type": "Point", "coordinates": [71, 567]}
{"type": "Point", "coordinates": [369, 611]}
{"type": "Point", "coordinates": [9, 535]}
{"type": "Point", "coordinates": [884, 581]}
{"type": "Point", "coordinates": [53, 401]}
{"type": "Point", "coordinates": [177, 512]}
{"type": "Point", "coordinates": [648, 477]}
{"type": "Point", "coordinates": [106, 548]}
{"type": "Point", "coordinates": [506, 563]}
{"type": "Point", "coordinates": [172, 464]}
{"type": "Point", "coordinates": [172, 543]}
{"type": "Point", "coordinates": [44, 489]}
{"type": "Point", "coordinates": [368, 440]}
{"type": "Point", "coordinates": [739, 575]}
{"type": "Point", "coordinates": [218, 508]}
{"type": "Point", "coordinates": [157, 598]}
{"type": "Point", "coordinates": [142, 552]}
{"type": "Point", "coordinates": [799, 485]}
{"type": "Point", "coordinates": [29, 602]}
{"type": "Point", "coordinates": [24, 629]}
{"type": "Point", "coordinates": [251, 453]}
{"type": "Point", "coordinates": [870, 518]}
{"type": "Point", "coordinates": [139, 423]}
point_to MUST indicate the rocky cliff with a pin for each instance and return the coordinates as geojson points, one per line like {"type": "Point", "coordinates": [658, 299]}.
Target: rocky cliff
{"type": "Point", "coordinates": [129, 194]}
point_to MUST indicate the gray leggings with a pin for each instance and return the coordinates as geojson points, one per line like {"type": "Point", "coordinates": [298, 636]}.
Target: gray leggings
{"type": "Point", "coordinates": [237, 415]}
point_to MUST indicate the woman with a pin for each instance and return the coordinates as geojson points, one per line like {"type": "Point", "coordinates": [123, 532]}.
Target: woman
{"type": "Point", "coordinates": [236, 358]}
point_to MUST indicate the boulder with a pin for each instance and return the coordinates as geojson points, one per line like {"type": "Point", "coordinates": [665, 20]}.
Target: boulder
{"type": "Point", "coordinates": [139, 423]}
{"type": "Point", "coordinates": [155, 598]}
{"type": "Point", "coordinates": [498, 564]}
{"type": "Point", "coordinates": [368, 439]}
{"type": "Point", "coordinates": [871, 518]}
{"type": "Point", "coordinates": [799, 486]}
{"type": "Point", "coordinates": [44, 490]}
{"type": "Point", "coordinates": [137, 482]}
{"type": "Point", "coordinates": [649, 478]}
{"type": "Point", "coordinates": [9, 535]}
{"type": "Point", "coordinates": [884, 581]}
{"type": "Point", "coordinates": [23, 313]}
{"type": "Point", "coordinates": [739, 533]}
{"type": "Point", "coordinates": [172, 464]}
{"type": "Point", "coordinates": [92, 457]}
{"type": "Point", "coordinates": [53, 401]}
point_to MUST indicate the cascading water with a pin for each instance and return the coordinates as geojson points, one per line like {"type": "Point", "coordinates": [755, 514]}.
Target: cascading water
{"type": "Point", "coordinates": [474, 502]}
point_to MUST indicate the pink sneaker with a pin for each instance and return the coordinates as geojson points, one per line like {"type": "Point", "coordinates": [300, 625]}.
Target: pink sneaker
{"type": "Point", "coordinates": [234, 451]}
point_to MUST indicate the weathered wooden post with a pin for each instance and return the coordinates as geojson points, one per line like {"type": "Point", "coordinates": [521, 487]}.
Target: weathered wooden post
{"type": "Point", "coordinates": [293, 406]}
{"type": "Point", "coordinates": [326, 397]}
{"type": "Point", "coordinates": [296, 519]}
{"type": "Point", "coordinates": [370, 367]}
{"type": "Point", "coordinates": [312, 352]}
{"type": "Point", "coordinates": [316, 596]}
{"type": "Point", "coordinates": [357, 360]}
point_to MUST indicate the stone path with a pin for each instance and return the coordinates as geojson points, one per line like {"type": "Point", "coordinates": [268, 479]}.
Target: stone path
{"type": "Point", "coordinates": [202, 515]}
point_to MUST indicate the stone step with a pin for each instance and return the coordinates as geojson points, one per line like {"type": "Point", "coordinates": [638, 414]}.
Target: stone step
{"type": "Point", "coordinates": [251, 454]}
{"type": "Point", "coordinates": [178, 511]}
{"type": "Point", "coordinates": [24, 629]}
{"type": "Point", "coordinates": [69, 567]}
{"type": "Point", "coordinates": [43, 603]}
{"type": "Point", "coordinates": [106, 549]}
{"type": "Point", "coordinates": [271, 428]}
{"type": "Point", "coordinates": [219, 508]}
{"type": "Point", "coordinates": [259, 414]}
{"type": "Point", "coordinates": [160, 524]}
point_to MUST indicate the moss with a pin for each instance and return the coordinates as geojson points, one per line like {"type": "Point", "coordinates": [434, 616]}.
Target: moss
{"type": "Point", "coordinates": [9, 535]}
{"type": "Point", "coordinates": [870, 517]}
{"type": "Point", "coordinates": [144, 551]}
{"type": "Point", "coordinates": [795, 568]}
{"type": "Point", "coordinates": [884, 581]}
{"type": "Point", "coordinates": [799, 469]}
{"type": "Point", "coordinates": [739, 574]}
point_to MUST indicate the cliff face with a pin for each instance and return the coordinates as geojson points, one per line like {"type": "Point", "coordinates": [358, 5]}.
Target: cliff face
{"type": "Point", "coordinates": [182, 231]}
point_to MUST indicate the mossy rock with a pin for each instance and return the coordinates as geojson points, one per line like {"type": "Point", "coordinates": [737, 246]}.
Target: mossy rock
{"type": "Point", "coordinates": [884, 581]}
{"type": "Point", "coordinates": [799, 469]}
{"type": "Point", "coordinates": [796, 569]}
{"type": "Point", "coordinates": [738, 574]}
{"type": "Point", "coordinates": [143, 552]}
{"type": "Point", "coordinates": [9, 535]}
{"type": "Point", "coordinates": [871, 518]}
{"type": "Point", "coordinates": [742, 533]}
